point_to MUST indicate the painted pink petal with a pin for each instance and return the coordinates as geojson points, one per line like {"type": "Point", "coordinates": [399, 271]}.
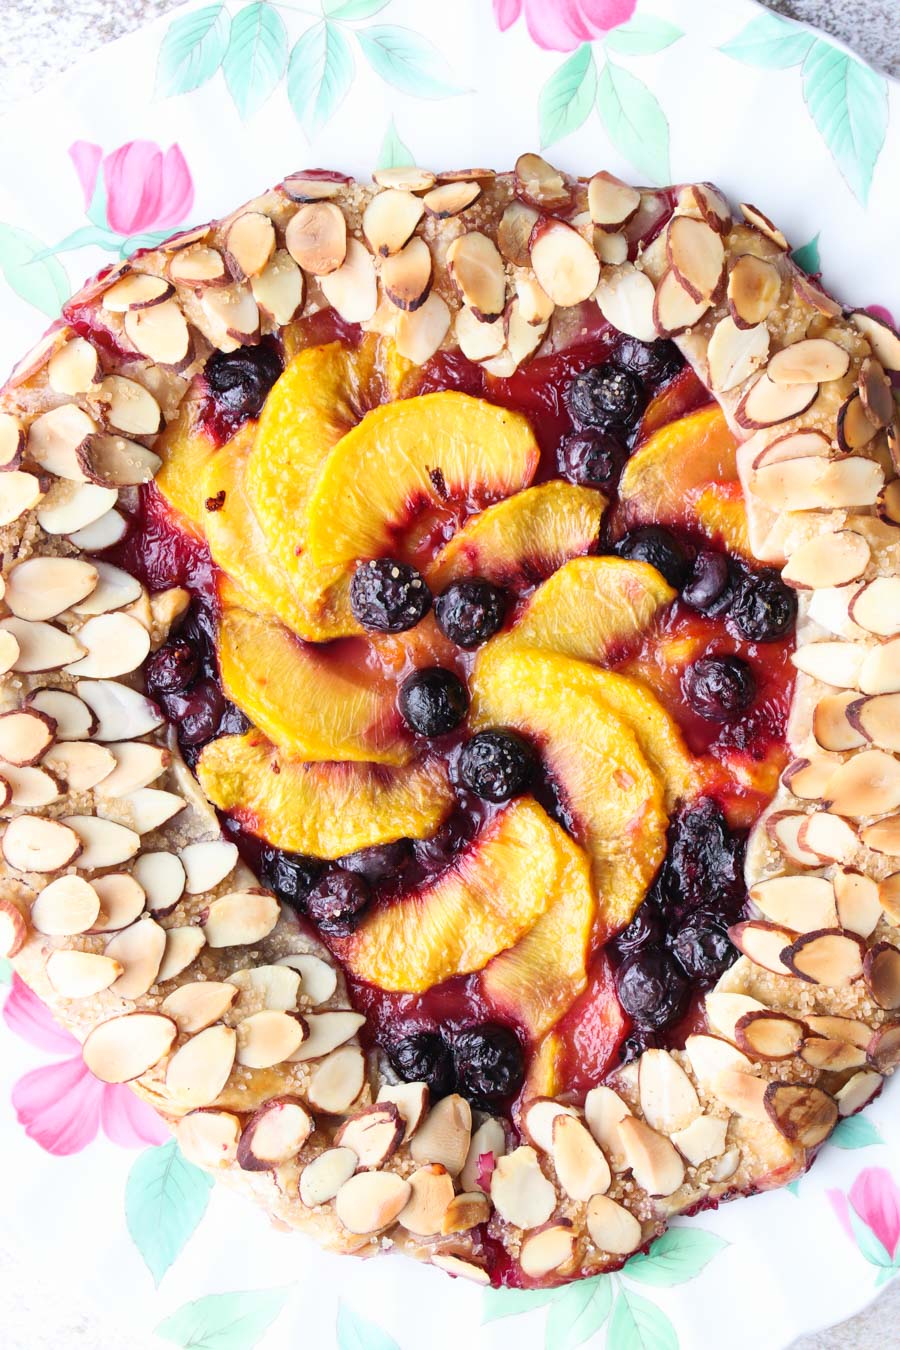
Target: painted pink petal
{"type": "Point", "coordinates": [59, 1106]}
{"type": "Point", "coordinates": [128, 1121]}
{"type": "Point", "coordinates": [555, 24]}
{"type": "Point", "coordinates": [86, 157]}
{"type": "Point", "coordinates": [599, 16]}
{"type": "Point", "coordinates": [842, 1209]}
{"type": "Point", "coordinates": [28, 1017]}
{"type": "Point", "coordinates": [506, 12]}
{"type": "Point", "coordinates": [177, 190]}
{"type": "Point", "coordinates": [133, 175]}
{"type": "Point", "coordinates": [876, 1198]}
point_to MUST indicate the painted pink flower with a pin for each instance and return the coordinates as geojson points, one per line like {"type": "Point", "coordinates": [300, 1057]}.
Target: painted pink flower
{"type": "Point", "coordinates": [146, 189]}
{"type": "Point", "coordinates": [874, 1199]}
{"type": "Point", "coordinates": [562, 25]}
{"type": "Point", "coordinates": [62, 1105]}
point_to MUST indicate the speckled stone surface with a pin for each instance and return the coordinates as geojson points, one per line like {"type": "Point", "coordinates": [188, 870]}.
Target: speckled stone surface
{"type": "Point", "coordinates": [38, 39]}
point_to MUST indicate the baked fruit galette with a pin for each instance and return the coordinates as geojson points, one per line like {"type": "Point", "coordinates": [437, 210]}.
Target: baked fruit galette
{"type": "Point", "coordinates": [451, 634]}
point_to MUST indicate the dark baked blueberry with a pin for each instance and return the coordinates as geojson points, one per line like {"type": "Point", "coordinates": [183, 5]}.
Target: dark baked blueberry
{"type": "Point", "coordinates": [605, 396]}
{"type": "Point", "coordinates": [233, 722]}
{"type": "Point", "coordinates": [445, 844]}
{"type": "Point", "coordinates": [490, 1064]}
{"type": "Point", "coordinates": [197, 713]}
{"type": "Point", "coordinates": [763, 608]}
{"type": "Point", "coordinates": [378, 861]}
{"type": "Point", "coordinates": [656, 546]}
{"type": "Point", "coordinates": [172, 669]}
{"type": "Point", "coordinates": [240, 381]}
{"type": "Point", "coordinates": [703, 948]}
{"type": "Point", "coordinates": [424, 1057]}
{"type": "Point", "coordinates": [495, 765]}
{"type": "Point", "coordinates": [647, 926]}
{"type": "Point", "coordinates": [388, 596]}
{"type": "Point", "coordinates": [719, 688]}
{"type": "Point", "coordinates": [470, 612]}
{"type": "Point", "coordinates": [705, 860]}
{"type": "Point", "coordinates": [708, 587]}
{"type": "Point", "coordinates": [641, 1039]}
{"type": "Point", "coordinates": [654, 362]}
{"type": "Point", "coordinates": [336, 902]}
{"type": "Point", "coordinates": [591, 457]}
{"type": "Point", "coordinates": [433, 701]}
{"type": "Point", "coordinates": [291, 875]}
{"type": "Point", "coordinates": [652, 987]}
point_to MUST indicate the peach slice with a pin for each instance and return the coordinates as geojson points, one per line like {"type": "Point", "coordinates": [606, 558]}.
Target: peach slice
{"type": "Point", "coordinates": [720, 513]}
{"type": "Point", "coordinates": [491, 897]}
{"type": "Point", "coordinates": [524, 539]}
{"type": "Point", "coordinates": [186, 452]}
{"type": "Point", "coordinates": [614, 798]}
{"type": "Point", "coordinates": [661, 481]}
{"type": "Point", "coordinates": [325, 810]}
{"type": "Point", "coordinates": [301, 698]}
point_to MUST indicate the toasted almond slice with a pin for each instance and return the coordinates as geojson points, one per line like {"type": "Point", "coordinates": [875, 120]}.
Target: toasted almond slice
{"type": "Point", "coordinates": [581, 1168]}
{"type": "Point", "coordinates": [183, 945]}
{"type": "Point", "coordinates": [829, 607]}
{"type": "Point", "coordinates": [68, 906]}
{"type": "Point", "coordinates": [883, 1050]}
{"type": "Point", "coordinates": [801, 903]}
{"type": "Point", "coordinates": [136, 290]}
{"type": "Point", "coordinates": [74, 719]}
{"type": "Point", "coordinates": [371, 1201]}
{"type": "Point", "coordinates": [858, 903]}
{"type": "Point", "coordinates": [279, 288]}
{"type": "Point", "coordinates": [12, 441]}
{"type": "Point", "coordinates": [139, 950]}
{"type": "Point", "coordinates": [272, 987]}
{"type": "Point", "coordinates": [114, 589]}
{"type": "Point", "coordinates": [314, 185]}
{"type": "Point", "coordinates": [445, 1135]}
{"type": "Point", "coordinates": [54, 439]}
{"type": "Point", "coordinates": [876, 607]}
{"type": "Point", "coordinates": [25, 735]}
{"type": "Point", "coordinates": [889, 896]}
{"type": "Point", "coordinates": [514, 233]}
{"type": "Point", "coordinates": [250, 242]}
{"type": "Point", "coordinates": [883, 836]}
{"type": "Point", "coordinates": [867, 785]}
{"type": "Point", "coordinates": [68, 506]}
{"type": "Point", "coordinates": [709, 202]}
{"type": "Point", "coordinates": [451, 198]}
{"type": "Point", "coordinates": [78, 765]}
{"type": "Point", "coordinates": [828, 836]}
{"type": "Point", "coordinates": [520, 1192]}
{"type": "Point", "coordinates": [674, 310]}
{"type": "Point", "coordinates": [734, 353]}
{"type": "Point", "coordinates": [831, 727]}
{"type": "Point", "coordinates": [130, 407]}
{"type": "Point", "coordinates": [374, 1134]}
{"type": "Point", "coordinates": [115, 461]}
{"type": "Point", "coordinates": [809, 361]}
{"type": "Point", "coordinates": [478, 341]}
{"type": "Point", "coordinates": [696, 254]}
{"type": "Point", "coordinates": [390, 219]}
{"type": "Point", "coordinates": [123, 1048]}
{"type": "Point", "coordinates": [268, 1038]}
{"type": "Point", "coordinates": [209, 1138]}
{"type": "Point", "coordinates": [612, 1227]}
{"type": "Point", "coordinates": [198, 264]}
{"type": "Point", "coordinates": [32, 844]}
{"type": "Point", "coordinates": [42, 587]}
{"type": "Point", "coordinates": [488, 1143]}
{"type": "Point", "coordinates": [195, 1006]}
{"type": "Point", "coordinates": [408, 176]}
{"type": "Point", "coordinates": [9, 652]}
{"type": "Point", "coordinates": [316, 238]}
{"type": "Point", "coordinates": [417, 335]}
{"type": "Point", "coordinates": [161, 876]}
{"type": "Point", "coordinates": [318, 978]}
{"type": "Point", "coordinates": [827, 957]}
{"type": "Point", "coordinates": [761, 222]}
{"type": "Point", "coordinates": [769, 1035]}
{"type": "Point", "coordinates": [754, 287]}
{"type": "Point", "coordinates": [742, 1093]}
{"type": "Point", "coordinates": [19, 492]}
{"type": "Point", "coordinates": [882, 338]}
{"type": "Point", "coordinates": [726, 1166]}
{"type": "Point", "coordinates": [75, 974]}
{"type": "Point", "coordinates": [207, 864]}
{"type": "Point", "coordinates": [702, 1140]}
{"type": "Point", "coordinates": [337, 1081]}
{"type": "Point", "coordinates": [805, 1115]}
{"type": "Point", "coordinates": [538, 1117]}
{"type": "Point", "coordinates": [465, 1211]}
{"type": "Point", "coordinates": [352, 289]}
{"type": "Point", "coordinates": [104, 842]}
{"type": "Point", "coordinates": [540, 182]}
{"type": "Point", "coordinates": [858, 1091]}
{"type": "Point", "coordinates": [232, 316]}
{"type": "Point", "coordinates": [550, 1249]}
{"type": "Point", "coordinates": [604, 1109]}
{"type": "Point", "coordinates": [121, 901]}
{"type": "Point", "coordinates": [882, 974]}
{"type": "Point", "coordinates": [564, 263]}
{"type": "Point", "coordinates": [28, 789]}
{"type": "Point", "coordinates": [274, 1134]}
{"type": "Point", "coordinates": [328, 1030]}
{"type": "Point", "coordinates": [803, 444]}
{"type": "Point", "coordinates": [13, 927]}
{"type": "Point", "coordinates": [783, 828]}
{"type": "Point", "coordinates": [478, 274]}
{"type": "Point", "coordinates": [522, 338]}
{"type": "Point", "coordinates": [613, 249]}
{"type": "Point", "coordinates": [407, 275]}
{"type": "Point", "coordinates": [765, 403]}
{"type": "Point", "coordinates": [830, 1056]}
{"type": "Point", "coordinates": [611, 202]}
{"type": "Point", "coordinates": [835, 663]}
{"type": "Point", "coordinates": [844, 1029]}
{"type": "Point", "coordinates": [626, 298]}
{"type": "Point", "coordinates": [136, 765]}
{"type": "Point", "coordinates": [709, 1055]}
{"type": "Point", "coordinates": [411, 1101]}
{"type": "Point", "coordinates": [762, 943]}
{"type": "Point", "coordinates": [115, 644]}
{"type": "Point", "coordinates": [321, 1179]}
{"type": "Point", "coordinates": [724, 1009]}
{"type": "Point", "coordinates": [241, 917]}
{"type": "Point", "coordinates": [667, 1096]}
{"type": "Point", "coordinates": [855, 429]}
{"type": "Point", "coordinates": [655, 1163]}
{"type": "Point", "coordinates": [880, 670]}
{"type": "Point", "coordinates": [199, 1069]}
{"type": "Point", "coordinates": [41, 645]}
{"type": "Point", "coordinates": [876, 393]}
{"type": "Point", "coordinates": [160, 333]}
{"type": "Point", "coordinates": [149, 808]}
{"type": "Point", "coordinates": [828, 560]}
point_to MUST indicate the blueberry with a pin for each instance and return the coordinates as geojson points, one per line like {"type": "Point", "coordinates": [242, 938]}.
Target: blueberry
{"type": "Point", "coordinates": [719, 688]}
{"type": "Point", "coordinates": [240, 381]}
{"type": "Point", "coordinates": [704, 859]}
{"type": "Point", "coordinates": [703, 948]}
{"type": "Point", "coordinates": [378, 861]}
{"type": "Point", "coordinates": [605, 396]}
{"type": "Point", "coordinates": [388, 596]}
{"type": "Point", "coordinates": [656, 546]}
{"type": "Point", "coordinates": [646, 927]}
{"type": "Point", "coordinates": [763, 609]}
{"type": "Point", "coordinates": [641, 1039]}
{"type": "Point", "coordinates": [655, 362]}
{"type": "Point", "coordinates": [470, 612]}
{"type": "Point", "coordinates": [652, 987]}
{"type": "Point", "coordinates": [490, 1064]}
{"type": "Point", "coordinates": [495, 765]}
{"type": "Point", "coordinates": [424, 1057]}
{"type": "Point", "coordinates": [172, 669]}
{"type": "Point", "coordinates": [291, 875]}
{"type": "Point", "coordinates": [433, 701]}
{"type": "Point", "coordinates": [708, 587]}
{"type": "Point", "coordinates": [336, 902]}
{"type": "Point", "coordinates": [447, 842]}
{"type": "Point", "coordinates": [233, 722]}
{"type": "Point", "coordinates": [591, 458]}
{"type": "Point", "coordinates": [196, 714]}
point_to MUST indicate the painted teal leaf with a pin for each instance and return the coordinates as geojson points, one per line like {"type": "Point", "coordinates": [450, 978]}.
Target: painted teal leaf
{"type": "Point", "coordinates": [568, 96]}
{"type": "Point", "coordinates": [497, 1303]}
{"type": "Point", "coordinates": [256, 56]}
{"type": "Point", "coordinates": [578, 1313]}
{"type": "Point", "coordinates": [192, 50]}
{"type": "Point", "coordinates": [320, 73]}
{"type": "Point", "coordinates": [6, 970]}
{"type": "Point", "coordinates": [393, 153]}
{"type": "Point", "coordinates": [679, 1255]}
{"type": "Point", "coordinates": [807, 257]}
{"type": "Point", "coordinates": [30, 270]}
{"type": "Point", "coordinates": [848, 102]}
{"type": "Point", "coordinates": [634, 121]}
{"type": "Point", "coordinates": [871, 1247]}
{"type": "Point", "coordinates": [794, 1187]}
{"type": "Point", "coordinates": [165, 1199]}
{"type": "Point", "coordinates": [855, 1132]}
{"type": "Point", "coordinates": [357, 1333]}
{"type": "Point", "coordinates": [224, 1321]}
{"type": "Point", "coordinates": [406, 60]}
{"type": "Point", "coordinates": [641, 35]}
{"type": "Point", "coordinates": [639, 1325]}
{"type": "Point", "coordinates": [770, 42]}
{"type": "Point", "coordinates": [352, 9]}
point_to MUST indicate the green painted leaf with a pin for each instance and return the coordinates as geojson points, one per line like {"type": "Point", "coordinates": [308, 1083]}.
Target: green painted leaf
{"type": "Point", "coordinates": [224, 1321]}
{"type": "Point", "coordinates": [634, 121]}
{"type": "Point", "coordinates": [807, 257]}
{"type": "Point", "coordinates": [192, 50]}
{"type": "Point", "coordinates": [568, 96]}
{"type": "Point", "coordinates": [641, 35]}
{"type": "Point", "coordinates": [352, 9]}
{"type": "Point", "coordinates": [578, 1313]}
{"type": "Point", "coordinates": [6, 970]}
{"type": "Point", "coordinates": [794, 1187]}
{"type": "Point", "coordinates": [848, 102]}
{"type": "Point", "coordinates": [406, 60]}
{"type": "Point", "coordinates": [497, 1303]}
{"type": "Point", "coordinates": [639, 1325]}
{"type": "Point", "coordinates": [871, 1247]}
{"type": "Point", "coordinates": [393, 153]}
{"type": "Point", "coordinates": [770, 42]}
{"type": "Point", "coordinates": [679, 1255]}
{"type": "Point", "coordinates": [256, 56]}
{"type": "Point", "coordinates": [357, 1333]}
{"type": "Point", "coordinates": [320, 73]}
{"type": "Point", "coordinates": [30, 270]}
{"type": "Point", "coordinates": [165, 1199]}
{"type": "Point", "coordinates": [855, 1132]}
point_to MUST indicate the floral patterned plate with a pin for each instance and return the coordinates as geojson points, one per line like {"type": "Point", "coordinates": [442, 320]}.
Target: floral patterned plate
{"type": "Point", "coordinates": [176, 123]}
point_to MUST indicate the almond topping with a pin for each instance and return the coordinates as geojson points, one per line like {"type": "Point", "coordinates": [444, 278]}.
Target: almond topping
{"type": "Point", "coordinates": [68, 506]}
{"type": "Point", "coordinates": [867, 785]}
{"type": "Point", "coordinates": [735, 353]}
{"type": "Point", "coordinates": [832, 1056]}
{"type": "Point", "coordinates": [889, 896]}
{"type": "Point", "coordinates": [540, 182]}
{"type": "Point", "coordinates": [478, 341]}
{"type": "Point", "coordinates": [883, 1050]}
{"type": "Point", "coordinates": [25, 735]}
{"type": "Point", "coordinates": [626, 299]}
{"type": "Point", "coordinates": [411, 1102]}
{"type": "Point", "coordinates": [40, 645]}
{"type": "Point", "coordinates": [75, 974]}
{"type": "Point", "coordinates": [697, 256]}
{"type": "Point", "coordinates": [209, 1138]}
{"type": "Point", "coordinates": [883, 340]}
{"type": "Point", "coordinates": [765, 403]}
{"type": "Point", "coordinates": [769, 1035]}
{"type": "Point", "coordinates": [316, 238]}
{"type": "Point", "coordinates": [161, 876]}
{"type": "Point", "coordinates": [876, 606]}
{"type": "Point", "coordinates": [827, 957]}
{"type": "Point", "coordinates": [19, 492]}
{"type": "Point", "coordinates": [514, 233]}
{"type": "Point", "coordinates": [883, 836]}
{"type": "Point", "coordinates": [611, 1227]}
{"type": "Point", "coordinates": [407, 176]}
{"type": "Point", "coordinates": [159, 333]}
{"type": "Point", "coordinates": [352, 289]}
{"type": "Point", "coordinates": [654, 1161]}
{"type": "Point", "coordinates": [841, 1029]}
{"type": "Point", "coordinates": [250, 241]}
{"type": "Point", "coordinates": [710, 1055]}
{"type": "Point", "coordinates": [828, 560]}
{"type": "Point", "coordinates": [195, 1006]}
{"type": "Point", "coordinates": [104, 843]}
{"type": "Point", "coordinates": [54, 439]}
{"type": "Point", "coordinates": [123, 1048]}
{"type": "Point", "coordinates": [858, 905]}
{"type": "Point", "coordinates": [549, 1250]}
{"type": "Point", "coordinates": [279, 288]}
{"type": "Point", "coordinates": [315, 185]}
{"type": "Point", "coordinates": [328, 1030]}
{"type": "Point", "coordinates": [431, 1193]}
{"type": "Point", "coordinates": [581, 1168]}
{"type": "Point", "coordinates": [371, 1201]}
{"type": "Point", "coordinates": [810, 361]}
{"type": "Point", "coordinates": [835, 663]}
{"type": "Point", "coordinates": [520, 1192]}
{"type": "Point", "coordinates": [130, 408]}
{"type": "Point", "coordinates": [882, 973]}
{"type": "Point", "coordinates": [674, 311]}
{"type": "Point", "coordinates": [267, 1038]}
{"type": "Point", "coordinates": [139, 951]}
{"type": "Point", "coordinates": [208, 863]}
{"type": "Point", "coordinates": [182, 946]}
{"type": "Point", "coordinates": [803, 444]}
{"type": "Point", "coordinates": [197, 265]}
{"type": "Point", "coordinates": [451, 198]}
{"type": "Point", "coordinates": [12, 442]}
{"type": "Point", "coordinates": [754, 287]}
{"type": "Point", "coordinates": [390, 219]}
{"type": "Point", "coordinates": [407, 275]}
{"type": "Point", "coordinates": [703, 1139]}
{"type": "Point", "coordinates": [876, 393]}
{"type": "Point", "coordinates": [40, 588]}
{"type": "Point", "coordinates": [136, 290]}
{"type": "Point", "coordinates": [321, 1179]}
{"type": "Point", "coordinates": [318, 978]}
{"type": "Point", "coordinates": [831, 727]}
{"type": "Point", "coordinates": [465, 1211]}
{"type": "Point", "coordinates": [274, 1134]}
{"type": "Point", "coordinates": [538, 1118]}
{"type": "Point", "coordinates": [241, 917]}
{"type": "Point", "coordinates": [723, 1011]}
{"type": "Point", "coordinates": [374, 1134]}
{"type": "Point", "coordinates": [564, 263]}
{"type": "Point", "coordinates": [667, 1096]}
{"type": "Point", "coordinates": [121, 902]}
{"type": "Point", "coordinates": [761, 222]}
{"type": "Point", "coordinates": [32, 844]}
{"type": "Point", "coordinates": [741, 1092]}
{"type": "Point", "coordinates": [880, 670]}
{"type": "Point", "coordinates": [611, 202]}
{"type": "Point", "coordinates": [445, 1135]}
{"type": "Point", "coordinates": [804, 1115]}
{"type": "Point", "coordinates": [828, 836]}
{"type": "Point", "coordinates": [762, 943]}
{"type": "Point", "coordinates": [858, 1091]}
{"type": "Point", "coordinates": [337, 1081]}
{"type": "Point", "coordinates": [13, 928]}
{"type": "Point", "coordinates": [73, 368]}
{"type": "Point", "coordinates": [477, 271]}
{"type": "Point", "coordinates": [783, 828]}
{"type": "Point", "coordinates": [199, 1069]}
{"type": "Point", "coordinates": [418, 335]}
{"type": "Point", "coordinates": [488, 1139]}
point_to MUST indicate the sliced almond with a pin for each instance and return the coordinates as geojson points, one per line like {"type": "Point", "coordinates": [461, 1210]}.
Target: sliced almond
{"type": "Point", "coordinates": [74, 719]}
{"type": "Point", "coordinates": [371, 1201]}
{"type": "Point", "coordinates": [9, 652]}
{"type": "Point", "coordinates": [832, 1056]}
{"type": "Point", "coordinates": [121, 902]}
{"type": "Point", "coordinates": [761, 222]}
{"type": "Point", "coordinates": [829, 836]}
{"type": "Point", "coordinates": [706, 200]}
{"type": "Point", "coordinates": [19, 492]}
{"type": "Point", "coordinates": [880, 670]}
{"type": "Point", "coordinates": [199, 1069]}
{"type": "Point", "coordinates": [809, 361]}
{"type": "Point", "coordinates": [41, 646]}
{"type": "Point", "coordinates": [858, 903]}
{"type": "Point", "coordinates": [514, 233]}
{"type": "Point", "coordinates": [754, 287]}
{"type": "Point", "coordinates": [411, 1101]}
{"type": "Point", "coordinates": [42, 587]}
{"type": "Point", "coordinates": [551, 1249]}
{"type": "Point", "coordinates": [805, 1115]}
{"type": "Point", "coordinates": [207, 864]}
{"type": "Point", "coordinates": [564, 263]}
{"type": "Point", "coordinates": [710, 1055]}
{"type": "Point", "coordinates": [139, 950]}
{"type": "Point", "coordinates": [196, 1005]}
{"type": "Point", "coordinates": [667, 1096]}
{"type": "Point", "coordinates": [831, 726]}
{"type": "Point", "coordinates": [159, 333]}
{"type": "Point", "coordinates": [431, 1193]}
{"type": "Point", "coordinates": [876, 393]}
{"type": "Point", "coordinates": [32, 844]}
{"type": "Point", "coordinates": [857, 1092]}
{"type": "Point", "coordinates": [137, 764]}
{"type": "Point", "coordinates": [267, 987]}
{"type": "Point", "coordinates": [868, 784]}
{"type": "Point", "coordinates": [702, 1140]}
{"type": "Point", "coordinates": [12, 442]}
{"type": "Point", "coordinates": [734, 353]}
{"type": "Point", "coordinates": [488, 1143]}
{"type": "Point", "coordinates": [314, 185]}
{"type": "Point", "coordinates": [626, 298]}
{"type": "Point", "coordinates": [882, 338]}
{"type": "Point", "coordinates": [115, 644]}
{"type": "Point", "coordinates": [520, 1192]}
{"type": "Point", "coordinates": [478, 341]}
{"type": "Point", "coordinates": [390, 219]}
{"type": "Point", "coordinates": [13, 928]}
{"type": "Point", "coordinates": [123, 1048]}
{"type": "Point", "coordinates": [149, 808]}
{"type": "Point", "coordinates": [876, 607]}
{"type": "Point", "coordinates": [762, 943]}
{"type": "Point", "coordinates": [803, 444]}
{"type": "Point", "coordinates": [855, 429]}
{"type": "Point", "coordinates": [451, 198]}
{"type": "Point", "coordinates": [612, 249]}
{"type": "Point", "coordinates": [318, 978]}
{"type": "Point", "coordinates": [828, 560]}
{"type": "Point", "coordinates": [477, 271]}
{"type": "Point", "coordinates": [161, 876]}
{"type": "Point", "coordinates": [28, 789]}
{"type": "Point", "coordinates": [883, 1050]}
{"type": "Point", "coordinates": [540, 182]}
{"type": "Point", "coordinates": [54, 439]}
{"type": "Point", "coordinates": [316, 238]}
{"type": "Point", "coordinates": [783, 828]}
{"type": "Point", "coordinates": [68, 906]}
{"type": "Point", "coordinates": [883, 836]}
{"type": "Point", "coordinates": [674, 310]}
{"type": "Point", "coordinates": [889, 896]}
{"type": "Point", "coordinates": [769, 1035]}
{"type": "Point", "coordinates": [724, 1009]}
{"type": "Point", "coordinates": [882, 974]}
{"type": "Point", "coordinates": [25, 735]}
{"type": "Point", "coordinates": [581, 1168]}
{"type": "Point", "coordinates": [766, 404]}
{"type": "Point", "coordinates": [418, 335]}
{"type": "Point", "coordinates": [407, 275]}
{"type": "Point", "coordinates": [844, 1029]}
{"type": "Point", "coordinates": [68, 506]}
{"type": "Point", "coordinates": [250, 242]}
{"type": "Point", "coordinates": [274, 1134]}
{"type": "Point", "coordinates": [611, 202]}
{"type": "Point", "coordinates": [827, 957]}
{"type": "Point", "coordinates": [352, 289]}
{"type": "Point", "coordinates": [269, 1037]}
{"type": "Point", "coordinates": [538, 1117]}
{"type": "Point", "coordinates": [328, 1030]}
{"type": "Point", "coordinates": [337, 1081]}
{"type": "Point", "coordinates": [408, 176]}
{"type": "Point", "coordinates": [232, 316]}
{"type": "Point", "coordinates": [465, 1211]}
{"type": "Point", "coordinates": [279, 288]}
{"type": "Point", "coordinates": [104, 842]}
{"type": "Point", "coordinates": [445, 1135]}
{"type": "Point", "coordinates": [655, 1163]}
{"type": "Point", "coordinates": [612, 1227]}
{"type": "Point", "coordinates": [726, 1166]}
{"type": "Point", "coordinates": [197, 265]}
{"type": "Point", "coordinates": [130, 407]}
{"type": "Point", "coordinates": [114, 589]}
{"type": "Point", "coordinates": [239, 918]}
{"type": "Point", "coordinates": [183, 945]}
{"type": "Point", "coordinates": [136, 290]}
{"type": "Point", "coordinates": [322, 1178]}
{"type": "Point", "coordinates": [75, 974]}
{"type": "Point", "coordinates": [374, 1134]}
{"type": "Point", "coordinates": [835, 663]}
{"type": "Point", "coordinates": [742, 1093]}
{"type": "Point", "coordinates": [209, 1138]}
{"type": "Point", "coordinates": [697, 256]}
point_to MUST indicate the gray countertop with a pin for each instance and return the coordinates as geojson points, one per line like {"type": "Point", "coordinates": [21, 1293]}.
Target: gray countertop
{"type": "Point", "coordinates": [38, 39]}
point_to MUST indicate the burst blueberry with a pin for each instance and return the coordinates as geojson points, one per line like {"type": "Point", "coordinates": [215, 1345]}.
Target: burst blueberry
{"type": "Point", "coordinates": [763, 608]}
{"type": "Point", "coordinates": [388, 596]}
{"type": "Point", "coordinates": [240, 381]}
{"type": "Point", "coordinates": [591, 457]}
{"type": "Point", "coordinates": [658, 547]}
{"type": "Point", "coordinates": [490, 1064]}
{"type": "Point", "coordinates": [605, 396]}
{"type": "Point", "coordinates": [719, 688]}
{"type": "Point", "coordinates": [652, 987]}
{"type": "Point", "coordinates": [424, 1057]}
{"type": "Point", "coordinates": [337, 902]}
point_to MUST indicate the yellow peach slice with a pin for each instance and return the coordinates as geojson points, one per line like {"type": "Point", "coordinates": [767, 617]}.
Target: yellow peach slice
{"type": "Point", "coordinates": [325, 810]}
{"type": "Point", "coordinates": [664, 476]}
{"type": "Point", "coordinates": [491, 896]}
{"type": "Point", "coordinates": [721, 514]}
{"type": "Point", "coordinates": [186, 452]}
{"type": "Point", "coordinates": [524, 539]}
